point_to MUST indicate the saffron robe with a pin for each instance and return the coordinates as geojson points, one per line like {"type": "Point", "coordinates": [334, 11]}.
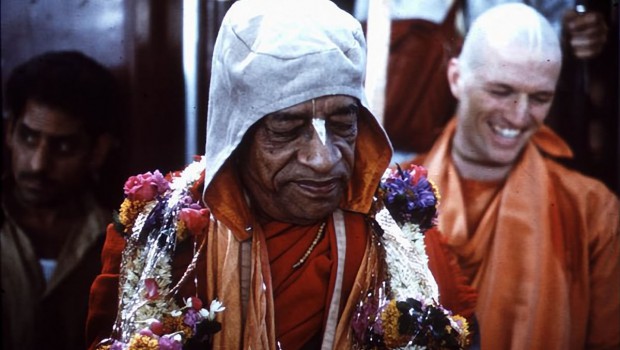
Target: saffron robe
{"type": "Point", "coordinates": [220, 270]}
{"type": "Point", "coordinates": [545, 256]}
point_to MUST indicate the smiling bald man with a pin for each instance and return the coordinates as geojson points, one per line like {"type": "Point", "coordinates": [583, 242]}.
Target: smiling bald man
{"type": "Point", "coordinates": [537, 240]}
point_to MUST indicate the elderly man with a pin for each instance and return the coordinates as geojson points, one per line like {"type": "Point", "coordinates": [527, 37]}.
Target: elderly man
{"type": "Point", "coordinates": [293, 159]}
{"type": "Point", "coordinates": [538, 241]}
{"type": "Point", "coordinates": [62, 108]}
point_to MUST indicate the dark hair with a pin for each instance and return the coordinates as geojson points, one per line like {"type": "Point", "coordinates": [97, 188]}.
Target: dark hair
{"type": "Point", "coordinates": [71, 82]}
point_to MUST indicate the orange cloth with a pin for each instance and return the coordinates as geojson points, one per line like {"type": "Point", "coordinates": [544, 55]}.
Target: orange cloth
{"type": "Point", "coordinates": [297, 313]}
{"type": "Point", "coordinates": [291, 300]}
{"type": "Point", "coordinates": [418, 101]}
{"type": "Point", "coordinates": [455, 294]}
{"type": "Point", "coordinates": [545, 254]}
{"type": "Point", "coordinates": [302, 295]}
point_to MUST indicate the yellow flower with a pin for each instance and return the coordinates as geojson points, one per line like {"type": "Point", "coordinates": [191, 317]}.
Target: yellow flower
{"type": "Point", "coordinates": [181, 230]}
{"type": "Point", "coordinates": [435, 191]}
{"type": "Point", "coordinates": [143, 342]}
{"type": "Point", "coordinates": [129, 212]}
{"type": "Point", "coordinates": [389, 323]}
{"type": "Point", "coordinates": [175, 324]}
{"type": "Point", "coordinates": [463, 326]}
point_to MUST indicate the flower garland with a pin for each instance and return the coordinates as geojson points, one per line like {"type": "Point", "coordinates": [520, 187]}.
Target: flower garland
{"type": "Point", "coordinates": [157, 213]}
{"type": "Point", "coordinates": [401, 309]}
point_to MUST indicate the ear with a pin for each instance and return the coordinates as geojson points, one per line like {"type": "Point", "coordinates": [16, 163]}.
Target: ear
{"type": "Point", "coordinates": [454, 75]}
{"type": "Point", "coordinates": [102, 147]}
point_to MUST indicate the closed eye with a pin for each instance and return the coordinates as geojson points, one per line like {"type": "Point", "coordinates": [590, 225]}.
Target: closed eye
{"type": "Point", "coordinates": [501, 92]}
{"type": "Point", "coordinates": [542, 98]}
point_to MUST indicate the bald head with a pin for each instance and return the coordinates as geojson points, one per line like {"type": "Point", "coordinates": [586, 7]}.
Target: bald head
{"type": "Point", "coordinates": [505, 80]}
{"type": "Point", "coordinates": [505, 29]}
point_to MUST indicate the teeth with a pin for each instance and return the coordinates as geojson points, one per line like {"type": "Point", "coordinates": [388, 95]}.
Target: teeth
{"type": "Point", "coordinates": [507, 132]}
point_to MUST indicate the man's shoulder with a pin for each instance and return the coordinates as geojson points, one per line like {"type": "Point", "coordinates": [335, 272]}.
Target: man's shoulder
{"type": "Point", "coordinates": [576, 182]}
{"type": "Point", "coordinates": [581, 194]}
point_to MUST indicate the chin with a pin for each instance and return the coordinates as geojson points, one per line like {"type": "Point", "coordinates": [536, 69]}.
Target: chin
{"type": "Point", "coordinates": [312, 214]}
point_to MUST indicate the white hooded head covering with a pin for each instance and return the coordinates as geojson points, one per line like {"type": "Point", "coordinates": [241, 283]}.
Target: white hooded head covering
{"type": "Point", "coordinates": [273, 54]}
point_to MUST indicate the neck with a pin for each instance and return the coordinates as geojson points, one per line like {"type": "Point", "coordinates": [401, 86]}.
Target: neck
{"type": "Point", "coordinates": [472, 169]}
{"type": "Point", "coordinates": [46, 226]}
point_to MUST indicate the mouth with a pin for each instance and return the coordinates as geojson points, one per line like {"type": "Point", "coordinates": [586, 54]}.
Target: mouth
{"type": "Point", "coordinates": [506, 132]}
{"type": "Point", "coordinates": [318, 188]}
{"type": "Point", "coordinates": [35, 183]}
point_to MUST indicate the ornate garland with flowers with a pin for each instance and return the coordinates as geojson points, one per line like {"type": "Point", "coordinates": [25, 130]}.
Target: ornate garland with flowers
{"type": "Point", "coordinates": [157, 213]}
{"type": "Point", "coordinates": [400, 311]}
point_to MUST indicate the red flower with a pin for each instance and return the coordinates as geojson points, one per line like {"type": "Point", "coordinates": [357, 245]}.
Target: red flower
{"type": "Point", "coordinates": [195, 303]}
{"type": "Point", "coordinates": [417, 172]}
{"type": "Point", "coordinates": [157, 327]}
{"type": "Point", "coordinates": [196, 220]}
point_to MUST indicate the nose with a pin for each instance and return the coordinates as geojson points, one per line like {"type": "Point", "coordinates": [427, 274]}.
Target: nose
{"type": "Point", "coordinates": [319, 156]}
{"type": "Point", "coordinates": [520, 110]}
{"type": "Point", "coordinates": [40, 158]}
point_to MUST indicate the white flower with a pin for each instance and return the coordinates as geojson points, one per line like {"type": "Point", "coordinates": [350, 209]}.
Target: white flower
{"type": "Point", "coordinates": [176, 313]}
{"type": "Point", "coordinates": [216, 306]}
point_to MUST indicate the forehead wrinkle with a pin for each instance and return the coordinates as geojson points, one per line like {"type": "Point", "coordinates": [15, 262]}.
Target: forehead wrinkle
{"type": "Point", "coordinates": [282, 116]}
{"type": "Point", "coordinates": [304, 111]}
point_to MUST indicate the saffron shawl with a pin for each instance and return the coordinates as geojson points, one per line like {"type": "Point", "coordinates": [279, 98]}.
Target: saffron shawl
{"type": "Point", "coordinates": [547, 251]}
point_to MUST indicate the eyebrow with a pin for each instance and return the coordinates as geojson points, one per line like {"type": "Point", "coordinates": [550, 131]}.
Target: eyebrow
{"type": "Point", "coordinates": [22, 127]}
{"type": "Point", "coordinates": [281, 116]}
{"type": "Point", "coordinates": [351, 108]}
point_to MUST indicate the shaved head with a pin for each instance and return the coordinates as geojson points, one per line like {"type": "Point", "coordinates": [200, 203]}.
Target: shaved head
{"type": "Point", "coordinates": [504, 80]}
{"type": "Point", "coordinates": [506, 27]}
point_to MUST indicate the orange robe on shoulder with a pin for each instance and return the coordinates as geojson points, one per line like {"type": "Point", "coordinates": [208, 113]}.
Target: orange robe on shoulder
{"type": "Point", "coordinates": [545, 254]}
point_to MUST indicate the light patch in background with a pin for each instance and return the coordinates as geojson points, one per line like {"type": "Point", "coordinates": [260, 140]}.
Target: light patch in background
{"type": "Point", "coordinates": [190, 72]}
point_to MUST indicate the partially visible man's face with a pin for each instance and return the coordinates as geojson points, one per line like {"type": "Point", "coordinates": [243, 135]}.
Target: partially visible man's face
{"type": "Point", "coordinates": [502, 103]}
{"type": "Point", "coordinates": [49, 154]}
{"type": "Point", "coordinates": [292, 173]}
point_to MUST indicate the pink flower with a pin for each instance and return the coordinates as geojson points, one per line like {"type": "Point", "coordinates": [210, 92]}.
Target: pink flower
{"type": "Point", "coordinates": [145, 187]}
{"type": "Point", "coordinates": [196, 220]}
{"type": "Point", "coordinates": [152, 289]}
{"type": "Point", "coordinates": [417, 172]}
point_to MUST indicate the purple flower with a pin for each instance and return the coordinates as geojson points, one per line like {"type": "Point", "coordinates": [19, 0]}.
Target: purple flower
{"type": "Point", "coordinates": [409, 196]}
{"type": "Point", "coordinates": [188, 202]}
{"type": "Point", "coordinates": [169, 343]}
{"type": "Point", "coordinates": [362, 319]}
{"type": "Point", "coordinates": [191, 318]}
{"type": "Point", "coordinates": [117, 345]}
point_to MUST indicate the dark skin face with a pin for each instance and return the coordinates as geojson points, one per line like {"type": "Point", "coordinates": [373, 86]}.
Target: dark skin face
{"type": "Point", "coordinates": [290, 173]}
{"type": "Point", "coordinates": [52, 156]}
{"type": "Point", "coordinates": [52, 159]}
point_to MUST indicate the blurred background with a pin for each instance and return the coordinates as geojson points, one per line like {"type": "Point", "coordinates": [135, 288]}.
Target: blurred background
{"type": "Point", "coordinates": [160, 52]}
